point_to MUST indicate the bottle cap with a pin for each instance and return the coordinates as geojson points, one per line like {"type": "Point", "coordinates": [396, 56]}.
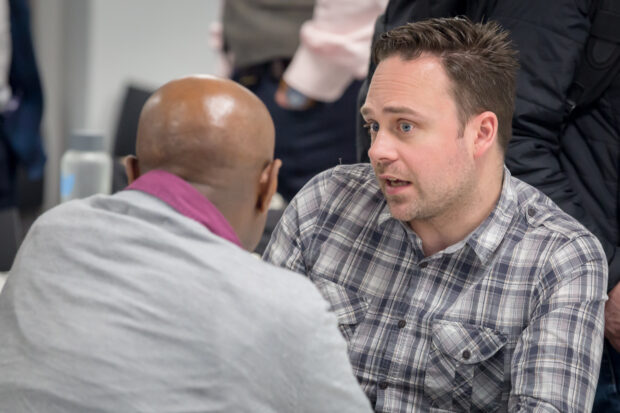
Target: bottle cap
{"type": "Point", "coordinates": [86, 141]}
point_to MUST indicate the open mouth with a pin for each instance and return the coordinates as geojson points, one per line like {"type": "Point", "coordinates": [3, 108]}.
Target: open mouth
{"type": "Point", "coordinates": [394, 183]}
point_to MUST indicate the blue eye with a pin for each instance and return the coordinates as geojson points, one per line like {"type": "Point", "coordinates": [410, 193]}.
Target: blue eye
{"type": "Point", "coordinates": [372, 127]}
{"type": "Point", "coordinates": [405, 127]}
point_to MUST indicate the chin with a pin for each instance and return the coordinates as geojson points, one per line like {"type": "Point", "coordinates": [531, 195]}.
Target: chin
{"type": "Point", "coordinates": [401, 212]}
{"type": "Point", "coordinates": [400, 207]}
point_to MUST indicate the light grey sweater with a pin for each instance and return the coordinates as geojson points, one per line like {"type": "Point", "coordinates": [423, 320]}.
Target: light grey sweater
{"type": "Point", "coordinates": [121, 304]}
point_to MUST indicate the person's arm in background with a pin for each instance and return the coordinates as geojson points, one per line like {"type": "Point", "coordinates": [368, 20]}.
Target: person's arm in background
{"type": "Point", "coordinates": [334, 50]}
{"type": "Point", "coordinates": [23, 114]}
{"type": "Point", "coordinates": [5, 52]}
{"type": "Point", "coordinates": [216, 42]}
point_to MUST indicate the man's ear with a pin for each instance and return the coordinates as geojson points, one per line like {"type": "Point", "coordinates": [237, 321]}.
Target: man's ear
{"type": "Point", "coordinates": [132, 168]}
{"type": "Point", "coordinates": [268, 185]}
{"type": "Point", "coordinates": [485, 132]}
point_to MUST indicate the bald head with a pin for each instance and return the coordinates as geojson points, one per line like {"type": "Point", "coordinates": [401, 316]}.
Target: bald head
{"type": "Point", "coordinates": [201, 127]}
{"type": "Point", "coordinates": [216, 135]}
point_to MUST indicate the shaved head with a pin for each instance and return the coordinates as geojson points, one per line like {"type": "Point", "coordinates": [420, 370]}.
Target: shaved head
{"type": "Point", "coordinates": [202, 127]}
{"type": "Point", "coordinates": [216, 135]}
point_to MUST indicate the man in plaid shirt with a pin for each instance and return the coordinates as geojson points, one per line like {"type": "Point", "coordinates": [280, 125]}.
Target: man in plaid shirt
{"type": "Point", "coordinates": [457, 287]}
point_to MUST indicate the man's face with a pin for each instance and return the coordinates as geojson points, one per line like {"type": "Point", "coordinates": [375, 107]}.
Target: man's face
{"type": "Point", "coordinates": [424, 167]}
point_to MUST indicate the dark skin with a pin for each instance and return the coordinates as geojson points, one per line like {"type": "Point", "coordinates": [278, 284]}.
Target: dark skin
{"type": "Point", "coordinates": [219, 137]}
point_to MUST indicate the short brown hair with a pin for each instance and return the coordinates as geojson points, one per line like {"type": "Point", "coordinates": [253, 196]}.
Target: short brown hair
{"type": "Point", "coordinates": [478, 58]}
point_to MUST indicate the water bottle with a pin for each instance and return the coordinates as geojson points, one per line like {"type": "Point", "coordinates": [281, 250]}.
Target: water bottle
{"type": "Point", "coordinates": [85, 168]}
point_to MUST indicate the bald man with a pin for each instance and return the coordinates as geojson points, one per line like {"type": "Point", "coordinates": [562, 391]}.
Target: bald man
{"type": "Point", "coordinates": [146, 300]}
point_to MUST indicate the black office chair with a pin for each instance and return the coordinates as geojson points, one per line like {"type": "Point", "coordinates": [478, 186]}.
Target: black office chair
{"type": "Point", "coordinates": [10, 236]}
{"type": "Point", "coordinates": [126, 130]}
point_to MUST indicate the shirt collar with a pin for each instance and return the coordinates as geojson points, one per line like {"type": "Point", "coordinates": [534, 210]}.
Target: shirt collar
{"type": "Point", "coordinates": [485, 239]}
{"type": "Point", "coordinates": [186, 200]}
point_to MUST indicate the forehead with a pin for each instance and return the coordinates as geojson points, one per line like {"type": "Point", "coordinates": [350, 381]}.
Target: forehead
{"type": "Point", "coordinates": [420, 84]}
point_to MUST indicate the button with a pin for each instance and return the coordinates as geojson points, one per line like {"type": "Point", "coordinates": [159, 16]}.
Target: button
{"type": "Point", "coordinates": [402, 323]}
{"type": "Point", "coordinates": [424, 265]}
{"type": "Point", "coordinates": [383, 385]}
{"type": "Point", "coordinates": [466, 354]}
{"type": "Point", "coordinates": [531, 211]}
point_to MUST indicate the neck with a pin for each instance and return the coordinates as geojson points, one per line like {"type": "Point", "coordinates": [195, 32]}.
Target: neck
{"type": "Point", "coordinates": [454, 224]}
{"type": "Point", "coordinates": [230, 210]}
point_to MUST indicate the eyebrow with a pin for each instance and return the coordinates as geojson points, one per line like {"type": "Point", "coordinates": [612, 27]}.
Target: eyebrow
{"type": "Point", "coordinates": [391, 109]}
{"type": "Point", "coordinates": [400, 109]}
{"type": "Point", "coordinates": [365, 110]}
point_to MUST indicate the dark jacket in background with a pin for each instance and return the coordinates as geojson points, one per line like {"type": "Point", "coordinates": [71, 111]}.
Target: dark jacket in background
{"type": "Point", "coordinates": [20, 123]}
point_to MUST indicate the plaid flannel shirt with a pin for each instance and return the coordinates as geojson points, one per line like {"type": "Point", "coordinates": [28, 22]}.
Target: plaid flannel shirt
{"type": "Point", "coordinates": [508, 319]}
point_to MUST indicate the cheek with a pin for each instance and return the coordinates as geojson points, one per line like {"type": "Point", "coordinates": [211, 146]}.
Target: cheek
{"type": "Point", "coordinates": [421, 160]}
{"type": "Point", "coordinates": [431, 170]}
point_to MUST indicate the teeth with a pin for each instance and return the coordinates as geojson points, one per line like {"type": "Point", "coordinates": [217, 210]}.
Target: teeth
{"type": "Point", "coordinates": [396, 182]}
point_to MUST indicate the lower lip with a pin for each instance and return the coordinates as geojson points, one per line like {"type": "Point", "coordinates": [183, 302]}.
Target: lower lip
{"type": "Point", "coordinates": [395, 190]}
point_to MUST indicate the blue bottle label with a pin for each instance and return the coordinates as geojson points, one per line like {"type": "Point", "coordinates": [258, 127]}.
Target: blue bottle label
{"type": "Point", "coordinates": [67, 183]}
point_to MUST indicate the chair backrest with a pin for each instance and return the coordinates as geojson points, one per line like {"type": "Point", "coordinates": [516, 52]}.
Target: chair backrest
{"type": "Point", "coordinates": [127, 127]}
{"type": "Point", "coordinates": [126, 130]}
{"type": "Point", "coordinates": [10, 237]}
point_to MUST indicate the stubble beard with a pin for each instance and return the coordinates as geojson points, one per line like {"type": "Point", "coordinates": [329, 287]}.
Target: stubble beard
{"type": "Point", "coordinates": [414, 208]}
{"type": "Point", "coordinates": [439, 201]}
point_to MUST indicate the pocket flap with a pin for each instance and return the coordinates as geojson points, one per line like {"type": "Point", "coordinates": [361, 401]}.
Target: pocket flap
{"type": "Point", "coordinates": [349, 307]}
{"type": "Point", "coordinates": [467, 343]}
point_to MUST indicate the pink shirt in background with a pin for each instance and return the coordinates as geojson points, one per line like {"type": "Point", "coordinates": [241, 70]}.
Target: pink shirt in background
{"type": "Point", "coordinates": [335, 48]}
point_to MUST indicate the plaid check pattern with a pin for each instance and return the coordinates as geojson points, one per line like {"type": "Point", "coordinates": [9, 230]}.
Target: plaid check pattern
{"type": "Point", "coordinates": [508, 319]}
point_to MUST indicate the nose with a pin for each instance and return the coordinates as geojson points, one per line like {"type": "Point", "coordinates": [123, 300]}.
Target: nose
{"type": "Point", "coordinates": [382, 148]}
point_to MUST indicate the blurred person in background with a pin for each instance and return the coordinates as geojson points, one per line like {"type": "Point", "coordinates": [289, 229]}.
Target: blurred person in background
{"type": "Point", "coordinates": [22, 158]}
{"type": "Point", "coordinates": [305, 59]}
{"type": "Point", "coordinates": [21, 102]}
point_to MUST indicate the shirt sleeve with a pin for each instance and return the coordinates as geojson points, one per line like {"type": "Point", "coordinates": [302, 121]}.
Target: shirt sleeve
{"type": "Point", "coordinates": [556, 362]}
{"type": "Point", "coordinates": [334, 48]}
{"type": "Point", "coordinates": [284, 247]}
{"type": "Point", "coordinates": [293, 234]}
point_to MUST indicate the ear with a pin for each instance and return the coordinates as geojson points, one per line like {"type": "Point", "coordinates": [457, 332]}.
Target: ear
{"type": "Point", "coordinates": [268, 185]}
{"type": "Point", "coordinates": [485, 132]}
{"type": "Point", "coordinates": [132, 168]}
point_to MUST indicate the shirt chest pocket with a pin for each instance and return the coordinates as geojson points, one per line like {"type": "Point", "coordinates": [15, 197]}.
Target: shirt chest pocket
{"type": "Point", "coordinates": [465, 371]}
{"type": "Point", "coordinates": [350, 308]}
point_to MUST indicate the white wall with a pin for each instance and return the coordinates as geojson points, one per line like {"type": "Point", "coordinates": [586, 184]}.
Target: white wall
{"type": "Point", "coordinates": [90, 50]}
{"type": "Point", "coordinates": [47, 30]}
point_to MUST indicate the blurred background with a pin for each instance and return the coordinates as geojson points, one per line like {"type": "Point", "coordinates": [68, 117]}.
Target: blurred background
{"type": "Point", "coordinates": [90, 52]}
{"type": "Point", "coordinates": [97, 61]}
{"type": "Point", "coordinates": [74, 75]}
